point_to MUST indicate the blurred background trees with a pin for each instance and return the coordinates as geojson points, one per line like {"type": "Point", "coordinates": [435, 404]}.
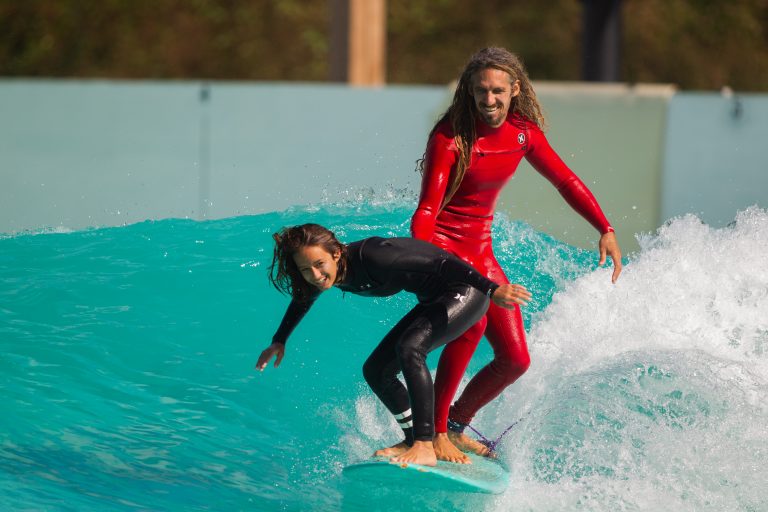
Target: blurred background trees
{"type": "Point", "coordinates": [696, 44]}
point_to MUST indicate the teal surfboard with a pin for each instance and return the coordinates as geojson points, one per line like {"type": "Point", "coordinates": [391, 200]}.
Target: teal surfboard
{"type": "Point", "coordinates": [484, 475]}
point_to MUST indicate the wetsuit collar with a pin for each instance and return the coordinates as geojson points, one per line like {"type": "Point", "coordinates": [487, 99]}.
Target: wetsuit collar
{"type": "Point", "coordinates": [346, 278]}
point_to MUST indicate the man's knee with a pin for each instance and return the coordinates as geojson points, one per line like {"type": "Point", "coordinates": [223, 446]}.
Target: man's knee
{"type": "Point", "coordinates": [511, 367]}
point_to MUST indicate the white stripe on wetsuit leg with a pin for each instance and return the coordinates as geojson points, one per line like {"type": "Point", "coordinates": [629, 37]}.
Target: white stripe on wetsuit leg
{"type": "Point", "coordinates": [402, 415]}
{"type": "Point", "coordinates": [405, 419]}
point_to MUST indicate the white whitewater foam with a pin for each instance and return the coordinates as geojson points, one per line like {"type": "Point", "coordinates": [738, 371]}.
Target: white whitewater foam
{"type": "Point", "coordinates": [649, 393]}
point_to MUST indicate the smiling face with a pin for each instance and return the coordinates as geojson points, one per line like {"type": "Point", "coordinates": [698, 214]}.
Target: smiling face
{"type": "Point", "coordinates": [317, 266]}
{"type": "Point", "coordinates": [493, 90]}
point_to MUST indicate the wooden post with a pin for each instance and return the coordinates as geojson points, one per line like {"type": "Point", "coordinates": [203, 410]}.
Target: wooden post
{"type": "Point", "coordinates": [358, 42]}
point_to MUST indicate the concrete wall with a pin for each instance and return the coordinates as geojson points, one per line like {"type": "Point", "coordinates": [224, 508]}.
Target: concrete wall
{"type": "Point", "coordinates": [79, 154]}
{"type": "Point", "coordinates": [716, 158]}
{"type": "Point", "coordinates": [97, 153]}
{"type": "Point", "coordinates": [611, 135]}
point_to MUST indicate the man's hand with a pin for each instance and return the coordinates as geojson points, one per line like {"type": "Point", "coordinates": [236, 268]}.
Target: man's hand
{"type": "Point", "coordinates": [609, 246]}
{"type": "Point", "coordinates": [276, 350]}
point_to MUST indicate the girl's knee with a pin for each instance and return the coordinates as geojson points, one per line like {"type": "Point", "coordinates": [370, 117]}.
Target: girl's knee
{"type": "Point", "coordinates": [369, 372]}
{"type": "Point", "coordinates": [410, 354]}
{"type": "Point", "coordinates": [374, 372]}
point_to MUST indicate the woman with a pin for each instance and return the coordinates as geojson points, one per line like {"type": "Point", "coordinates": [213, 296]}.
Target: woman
{"type": "Point", "coordinates": [473, 150]}
{"type": "Point", "coordinates": [308, 260]}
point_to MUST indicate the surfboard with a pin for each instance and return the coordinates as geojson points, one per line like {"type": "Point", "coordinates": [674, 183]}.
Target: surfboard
{"type": "Point", "coordinates": [484, 475]}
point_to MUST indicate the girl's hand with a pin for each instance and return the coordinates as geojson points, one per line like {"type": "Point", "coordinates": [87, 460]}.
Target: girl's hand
{"type": "Point", "coordinates": [510, 295]}
{"type": "Point", "coordinates": [276, 350]}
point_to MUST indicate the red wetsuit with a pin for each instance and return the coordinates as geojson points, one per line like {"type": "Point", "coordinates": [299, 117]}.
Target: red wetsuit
{"type": "Point", "coordinates": [463, 227]}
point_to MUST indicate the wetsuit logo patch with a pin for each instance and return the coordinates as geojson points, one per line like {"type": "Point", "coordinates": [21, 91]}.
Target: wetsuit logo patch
{"type": "Point", "coordinates": [521, 138]}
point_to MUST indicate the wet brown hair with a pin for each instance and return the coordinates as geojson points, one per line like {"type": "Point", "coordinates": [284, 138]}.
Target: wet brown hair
{"type": "Point", "coordinates": [463, 112]}
{"type": "Point", "coordinates": [284, 274]}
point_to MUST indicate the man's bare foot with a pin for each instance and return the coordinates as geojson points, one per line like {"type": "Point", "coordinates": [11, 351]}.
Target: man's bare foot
{"type": "Point", "coordinates": [392, 450]}
{"type": "Point", "coordinates": [465, 443]}
{"type": "Point", "coordinates": [446, 450]}
{"type": "Point", "coordinates": [421, 453]}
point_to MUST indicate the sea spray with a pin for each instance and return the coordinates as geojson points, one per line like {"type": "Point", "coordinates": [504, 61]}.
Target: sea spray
{"type": "Point", "coordinates": [650, 392]}
{"type": "Point", "coordinates": [128, 381]}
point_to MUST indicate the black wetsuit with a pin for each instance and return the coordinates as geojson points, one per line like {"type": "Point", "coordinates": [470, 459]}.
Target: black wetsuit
{"type": "Point", "coordinates": [452, 297]}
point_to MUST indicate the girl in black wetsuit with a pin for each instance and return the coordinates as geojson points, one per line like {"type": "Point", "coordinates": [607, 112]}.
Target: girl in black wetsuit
{"type": "Point", "coordinates": [452, 296]}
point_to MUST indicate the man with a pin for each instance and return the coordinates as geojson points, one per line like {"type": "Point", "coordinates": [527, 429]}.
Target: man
{"type": "Point", "coordinates": [473, 150]}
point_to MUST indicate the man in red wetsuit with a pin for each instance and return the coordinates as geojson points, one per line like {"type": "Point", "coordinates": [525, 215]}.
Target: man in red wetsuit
{"type": "Point", "coordinates": [473, 150]}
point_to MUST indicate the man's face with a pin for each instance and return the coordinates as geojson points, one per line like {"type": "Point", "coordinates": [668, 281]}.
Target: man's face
{"type": "Point", "coordinates": [493, 90]}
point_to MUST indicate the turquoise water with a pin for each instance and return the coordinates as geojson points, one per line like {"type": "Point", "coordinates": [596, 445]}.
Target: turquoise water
{"type": "Point", "coordinates": [127, 377]}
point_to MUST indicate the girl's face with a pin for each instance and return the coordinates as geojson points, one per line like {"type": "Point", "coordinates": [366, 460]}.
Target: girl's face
{"type": "Point", "coordinates": [317, 266]}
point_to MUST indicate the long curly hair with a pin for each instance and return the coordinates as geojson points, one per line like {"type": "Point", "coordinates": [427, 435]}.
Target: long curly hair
{"type": "Point", "coordinates": [284, 274]}
{"type": "Point", "coordinates": [462, 113]}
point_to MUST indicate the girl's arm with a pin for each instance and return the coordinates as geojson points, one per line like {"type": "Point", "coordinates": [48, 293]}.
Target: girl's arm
{"type": "Point", "coordinates": [505, 295]}
{"type": "Point", "coordinates": [387, 258]}
{"type": "Point", "coordinates": [293, 315]}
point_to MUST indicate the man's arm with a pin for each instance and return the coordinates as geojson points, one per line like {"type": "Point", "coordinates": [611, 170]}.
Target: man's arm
{"type": "Point", "coordinates": [438, 162]}
{"type": "Point", "coordinates": [577, 195]}
{"type": "Point", "coordinates": [544, 159]}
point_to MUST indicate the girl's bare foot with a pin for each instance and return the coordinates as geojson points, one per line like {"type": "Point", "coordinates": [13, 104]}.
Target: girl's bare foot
{"type": "Point", "coordinates": [421, 453]}
{"type": "Point", "coordinates": [392, 450]}
{"type": "Point", "coordinates": [446, 450]}
{"type": "Point", "coordinates": [465, 443]}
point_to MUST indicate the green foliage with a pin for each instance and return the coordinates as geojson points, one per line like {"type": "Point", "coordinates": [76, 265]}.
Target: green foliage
{"type": "Point", "coordinates": [232, 39]}
{"type": "Point", "coordinates": [696, 44]}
